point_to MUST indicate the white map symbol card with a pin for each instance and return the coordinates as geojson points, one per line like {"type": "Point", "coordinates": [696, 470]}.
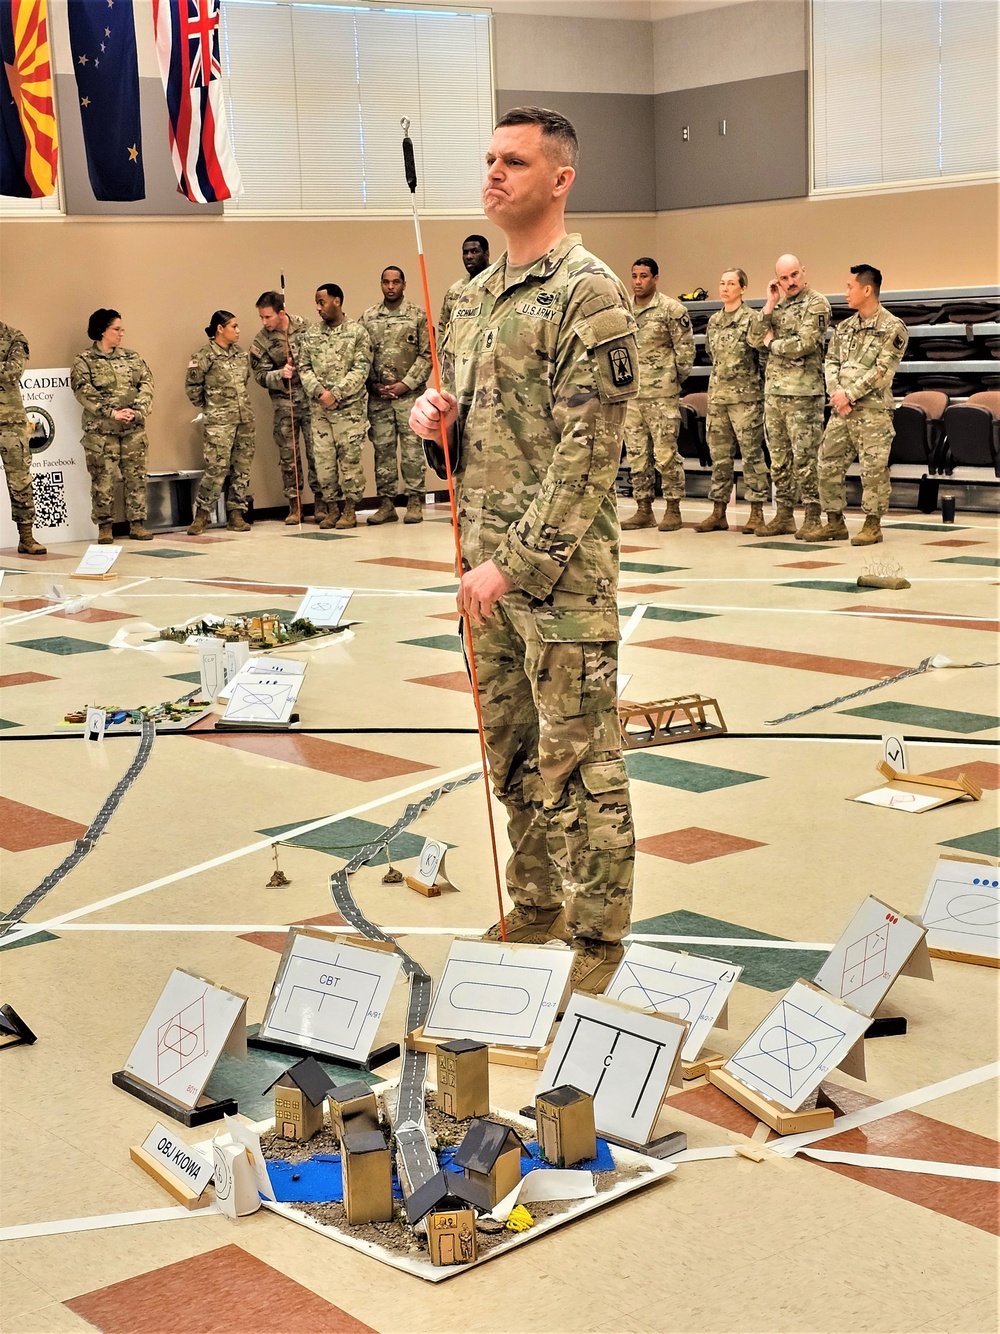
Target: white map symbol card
{"type": "Point", "coordinates": [961, 909]}
{"type": "Point", "coordinates": [667, 982]}
{"type": "Point", "coordinates": [872, 952]}
{"type": "Point", "coordinates": [323, 606]}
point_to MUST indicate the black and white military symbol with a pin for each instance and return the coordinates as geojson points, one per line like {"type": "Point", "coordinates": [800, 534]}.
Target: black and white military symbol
{"type": "Point", "coordinates": [621, 366]}
{"type": "Point", "coordinates": [545, 298]}
{"type": "Point", "coordinates": [488, 340]}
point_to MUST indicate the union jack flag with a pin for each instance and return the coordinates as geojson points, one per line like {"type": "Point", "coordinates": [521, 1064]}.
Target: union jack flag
{"type": "Point", "coordinates": [187, 46]}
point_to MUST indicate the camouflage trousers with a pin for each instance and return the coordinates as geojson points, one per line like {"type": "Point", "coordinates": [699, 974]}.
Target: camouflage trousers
{"type": "Point", "coordinates": [289, 459]}
{"type": "Point", "coordinates": [337, 438]}
{"type": "Point", "coordinates": [729, 425]}
{"type": "Point", "coordinates": [794, 429]}
{"type": "Point", "coordinates": [652, 426]}
{"type": "Point", "coordinates": [107, 456]}
{"type": "Point", "coordinates": [17, 466]}
{"type": "Point", "coordinates": [229, 451]}
{"type": "Point", "coordinates": [390, 420]}
{"type": "Point", "coordinates": [548, 691]}
{"type": "Point", "coordinates": [866, 435]}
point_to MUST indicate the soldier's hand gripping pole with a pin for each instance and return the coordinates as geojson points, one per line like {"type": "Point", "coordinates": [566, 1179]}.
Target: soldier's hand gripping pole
{"type": "Point", "coordinates": [410, 169]}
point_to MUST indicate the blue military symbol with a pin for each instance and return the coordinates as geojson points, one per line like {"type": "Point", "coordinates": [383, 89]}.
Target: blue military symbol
{"type": "Point", "coordinates": [621, 366]}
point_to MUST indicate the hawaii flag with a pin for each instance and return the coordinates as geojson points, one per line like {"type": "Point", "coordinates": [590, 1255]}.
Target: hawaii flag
{"type": "Point", "coordinates": [29, 145]}
{"type": "Point", "coordinates": [187, 45]}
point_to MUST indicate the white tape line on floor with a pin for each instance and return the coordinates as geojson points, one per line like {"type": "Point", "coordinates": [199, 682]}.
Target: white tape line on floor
{"type": "Point", "coordinates": [967, 1171]}
{"type": "Point", "coordinates": [56, 1228]}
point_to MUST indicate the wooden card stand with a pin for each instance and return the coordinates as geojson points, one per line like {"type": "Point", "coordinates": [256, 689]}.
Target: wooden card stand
{"type": "Point", "coordinates": [959, 957]}
{"type": "Point", "coordinates": [665, 720]}
{"type": "Point", "coordinates": [663, 1146]}
{"type": "Point", "coordinates": [935, 792]}
{"type": "Point", "coordinates": [95, 578]}
{"type": "Point", "coordinates": [205, 1112]}
{"type": "Point", "coordinates": [525, 1058]}
{"type": "Point", "coordinates": [376, 1057]}
{"type": "Point", "coordinates": [779, 1118]}
{"type": "Point", "coordinates": [428, 891]}
{"type": "Point", "coordinates": [183, 1194]}
{"type": "Point", "coordinates": [703, 1062]}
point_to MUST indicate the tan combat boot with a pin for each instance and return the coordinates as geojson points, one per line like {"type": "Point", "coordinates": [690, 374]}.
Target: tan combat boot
{"type": "Point", "coordinates": [812, 522]}
{"type": "Point", "coordinates": [834, 530]}
{"type": "Point", "coordinates": [386, 512]}
{"type": "Point", "coordinates": [138, 532]}
{"type": "Point", "coordinates": [595, 962]}
{"type": "Point", "coordinates": [756, 520]}
{"type": "Point", "coordinates": [671, 520]}
{"type": "Point", "coordinates": [870, 533]}
{"type": "Point", "coordinates": [105, 534]}
{"type": "Point", "coordinates": [716, 521]}
{"type": "Point", "coordinates": [782, 523]}
{"type": "Point", "coordinates": [294, 515]}
{"type": "Point", "coordinates": [236, 523]}
{"type": "Point", "coordinates": [200, 522]}
{"type": "Point", "coordinates": [26, 543]}
{"type": "Point", "coordinates": [414, 510]}
{"type": "Point", "coordinates": [642, 518]}
{"type": "Point", "coordinates": [319, 509]}
{"type": "Point", "coordinates": [530, 926]}
{"type": "Point", "coordinates": [331, 513]}
{"type": "Point", "coordinates": [347, 519]}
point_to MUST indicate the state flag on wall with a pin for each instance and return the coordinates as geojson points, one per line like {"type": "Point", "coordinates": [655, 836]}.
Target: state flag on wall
{"type": "Point", "coordinates": [187, 46]}
{"type": "Point", "coordinates": [102, 38]}
{"type": "Point", "coordinates": [29, 144]}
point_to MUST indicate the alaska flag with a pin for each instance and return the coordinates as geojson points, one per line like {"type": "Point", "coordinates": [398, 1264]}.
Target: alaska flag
{"type": "Point", "coordinates": [102, 37]}
{"type": "Point", "coordinates": [29, 148]}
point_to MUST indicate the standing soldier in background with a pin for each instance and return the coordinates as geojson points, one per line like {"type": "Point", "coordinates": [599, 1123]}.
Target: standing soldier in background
{"type": "Point", "coordinates": [793, 331]}
{"type": "Point", "coordinates": [115, 387]}
{"type": "Point", "coordinates": [653, 421]}
{"type": "Point", "coordinates": [335, 358]}
{"type": "Point", "coordinates": [735, 408]}
{"type": "Point", "coordinates": [217, 378]}
{"type": "Point", "coordinates": [476, 258]}
{"type": "Point", "coordinates": [401, 353]}
{"type": "Point", "coordinates": [14, 438]}
{"type": "Point", "coordinates": [860, 364]}
{"type": "Point", "coordinates": [272, 355]}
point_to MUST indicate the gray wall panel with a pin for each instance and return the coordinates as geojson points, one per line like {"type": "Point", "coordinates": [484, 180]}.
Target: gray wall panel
{"type": "Point", "coordinates": [617, 150]}
{"type": "Point", "coordinates": [763, 155]}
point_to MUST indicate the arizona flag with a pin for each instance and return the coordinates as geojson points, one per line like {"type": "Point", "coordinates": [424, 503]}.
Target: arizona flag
{"type": "Point", "coordinates": [187, 46]}
{"type": "Point", "coordinates": [29, 145]}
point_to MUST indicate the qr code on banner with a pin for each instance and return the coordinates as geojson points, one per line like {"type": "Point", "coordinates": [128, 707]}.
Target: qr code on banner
{"type": "Point", "coordinates": [49, 491]}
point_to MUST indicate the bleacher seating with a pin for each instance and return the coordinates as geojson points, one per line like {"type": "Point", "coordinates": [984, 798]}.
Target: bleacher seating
{"type": "Point", "coordinates": [691, 443]}
{"type": "Point", "coordinates": [919, 430]}
{"type": "Point", "coordinates": [972, 433]}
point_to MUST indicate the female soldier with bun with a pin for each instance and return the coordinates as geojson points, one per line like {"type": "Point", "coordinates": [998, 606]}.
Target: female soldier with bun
{"type": "Point", "coordinates": [217, 377]}
{"type": "Point", "coordinates": [115, 387]}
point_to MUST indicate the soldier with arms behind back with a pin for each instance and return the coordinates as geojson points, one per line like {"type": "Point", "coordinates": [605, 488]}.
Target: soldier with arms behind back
{"type": "Point", "coordinates": [216, 382]}
{"type": "Point", "coordinates": [476, 258]}
{"type": "Point", "coordinates": [14, 438]}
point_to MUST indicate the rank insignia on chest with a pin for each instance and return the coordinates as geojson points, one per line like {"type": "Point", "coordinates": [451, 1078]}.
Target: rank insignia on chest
{"type": "Point", "coordinates": [488, 339]}
{"type": "Point", "coordinates": [621, 366]}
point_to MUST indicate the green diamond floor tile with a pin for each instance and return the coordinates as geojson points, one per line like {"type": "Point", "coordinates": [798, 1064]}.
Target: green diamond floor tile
{"type": "Point", "coordinates": [246, 1080]}
{"type": "Point", "coordinates": [38, 939]}
{"type": "Point", "coordinates": [770, 970]}
{"type": "Point", "coordinates": [4, 723]}
{"type": "Point", "coordinates": [62, 645]}
{"type": "Point", "coordinates": [986, 843]}
{"type": "Point", "coordinates": [992, 561]}
{"type": "Point", "coordinates": [825, 586]}
{"type": "Point", "coordinates": [320, 537]}
{"type": "Point", "coordinates": [791, 546]}
{"type": "Point", "coordinates": [168, 553]}
{"type": "Point", "coordinates": [266, 611]}
{"type": "Point", "coordinates": [644, 567]}
{"type": "Point", "coordinates": [444, 588]}
{"type": "Point", "coordinates": [920, 715]}
{"type": "Point", "coordinates": [193, 678]}
{"type": "Point", "coordinates": [929, 527]}
{"type": "Point", "coordinates": [450, 643]}
{"type": "Point", "coordinates": [687, 775]}
{"type": "Point", "coordinates": [347, 837]}
{"type": "Point", "coordinates": [670, 614]}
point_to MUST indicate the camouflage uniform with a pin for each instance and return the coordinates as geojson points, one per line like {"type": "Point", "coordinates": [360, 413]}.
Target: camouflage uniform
{"type": "Point", "coordinates": [401, 350]}
{"type": "Point", "coordinates": [337, 357]}
{"type": "Point", "coordinates": [14, 424]}
{"type": "Point", "coordinates": [793, 391]}
{"type": "Point", "coordinates": [269, 353]}
{"type": "Point", "coordinates": [542, 370]}
{"type": "Point", "coordinates": [862, 360]}
{"type": "Point", "coordinates": [447, 306]}
{"type": "Point", "coordinates": [653, 421]}
{"type": "Point", "coordinates": [735, 407]}
{"type": "Point", "coordinates": [217, 384]}
{"type": "Point", "coordinates": [104, 382]}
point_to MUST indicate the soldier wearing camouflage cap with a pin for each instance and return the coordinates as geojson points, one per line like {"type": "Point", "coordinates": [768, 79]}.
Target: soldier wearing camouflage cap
{"type": "Point", "coordinates": [653, 421]}
{"type": "Point", "coordinates": [792, 327]}
{"type": "Point", "coordinates": [401, 363]}
{"type": "Point", "coordinates": [115, 387]}
{"type": "Point", "coordinates": [476, 258]}
{"type": "Point", "coordinates": [335, 358]}
{"type": "Point", "coordinates": [861, 362]}
{"type": "Point", "coordinates": [735, 408]}
{"type": "Point", "coordinates": [541, 356]}
{"type": "Point", "coordinates": [14, 438]}
{"type": "Point", "coordinates": [217, 383]}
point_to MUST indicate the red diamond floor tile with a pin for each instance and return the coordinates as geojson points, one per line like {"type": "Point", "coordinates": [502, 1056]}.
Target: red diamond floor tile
{"type": "Point", "coordinates": [25, 678]}
{"type": "Point", "coordinates": [651, 588]}
{"type": "Point", "coordinates": [276, 940]}
{"type": "Point", "coordinates": [803, 662]}
{"type": "Point", "coordinates": [922, 618]}
{"type": "Point", "coordinates": [24, 827]}
{"type": "Point", "coordinates": [253, 588]}
{"type": "Point", "coordinates": [955, 542]}
{"type": "Point", "coordinates": [405, 563]}
{"type": "Point", "coordinates": [444, 681]}
{"type": "Point", "coordinates": [28, 604]}
{"type": "Point", "coordinates": [330, 757]}
{"type": "Point", "coordinates": [808, 564]}
{"type": "Point", "coordinates": [982, 772]}
{"type": "Point", "coordinates": [695, 845]}
{"type": "Point", "coordinates": [445, 616]}
{"type": "Point", "coordinates": [94, 615]}
{"type": "Point", "coordinates": [630, 551]}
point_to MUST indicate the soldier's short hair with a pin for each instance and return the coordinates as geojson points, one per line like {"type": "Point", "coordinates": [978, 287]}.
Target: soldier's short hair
{"type": "Point", "coordinates": [274, 300]}
{"type": "Point", "coordinates": [393, 268]}
{"type": "Point", "coordinates": [481, 240]}
{"type": "Point", "coordinates": [219, 319]}
{"type": "Point", "coordinates": [739, 273]}
{"type": "Point", "coordinates": [868, 276]}
{"type": "Point", "coordinates": [333, 289]}
{"type": "Point", "coordinates": [100, 322]}
{"type": "Point", "coordinates": [644, 262]}
{"type": "Point", "coordinates": [556, 130]}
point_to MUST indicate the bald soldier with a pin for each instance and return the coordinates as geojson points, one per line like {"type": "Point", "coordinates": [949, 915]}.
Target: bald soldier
{"type": "Point", "coordinates": [540, 362]}
{"type": "Point", "coordinates": [792, 327]}
{"type": "Point", "coordinates": [476, 258]}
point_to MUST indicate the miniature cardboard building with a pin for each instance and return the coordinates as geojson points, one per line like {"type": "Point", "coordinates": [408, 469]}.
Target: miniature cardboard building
{"type": "Point", "coordinates": [490, 1156]}
{"type": "Point", "coordinates": [367, 1173]}
{"type": "Point", "coordinates": [298, 1099]}
{"type": "Point", "coordinates": [449, 1202]}
{"type": "Point", "coordinates": [463, 1078]}
{"type": "Point", "coordinates": [565, 1120]}
{"type": "Point", "coordinates": [451, 1237]}
{"type": "Point", "coordinates": [353, 1108]}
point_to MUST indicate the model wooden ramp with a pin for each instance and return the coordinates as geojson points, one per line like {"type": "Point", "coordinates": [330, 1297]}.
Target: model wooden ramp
{"type": "Point", "coordinates": [684, 718]}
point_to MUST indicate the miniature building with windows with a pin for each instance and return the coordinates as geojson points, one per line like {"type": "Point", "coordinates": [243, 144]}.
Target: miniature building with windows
{"type": "Point", "coordinates": [448, 1204]}
{"type": "Point", "coordinates": [299, 1095]}
{"type": "Point", "coordinates": [367, 1170]}
{"type": "Point", "coordinates": [565, 1120]}
{"type": "Point", "coordinates": [353, 1107]}
{"type": "Point", "coordinates": [490, 1155]}
{"type": "Point", "coordinates": [463, 1078]}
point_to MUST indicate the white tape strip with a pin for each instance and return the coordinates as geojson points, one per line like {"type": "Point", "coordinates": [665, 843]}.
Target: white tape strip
{"type": "Point", "coordinates": [704, 1155]}
{"type": "Point", "coordinates": [736, 941]}
{"type": "Point", "coordinates": [966, 1171]}
{"type": "Point", "coordinates": [23, 616]}
{"type": "Point", "coordinates": [791, 1144]}
{"type": "Point", "coordinates": [633, 621]}
{"type": "Point", "coordinates": [917, 616]}
{"type": "Point", "coordinates": [98, 1221]}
